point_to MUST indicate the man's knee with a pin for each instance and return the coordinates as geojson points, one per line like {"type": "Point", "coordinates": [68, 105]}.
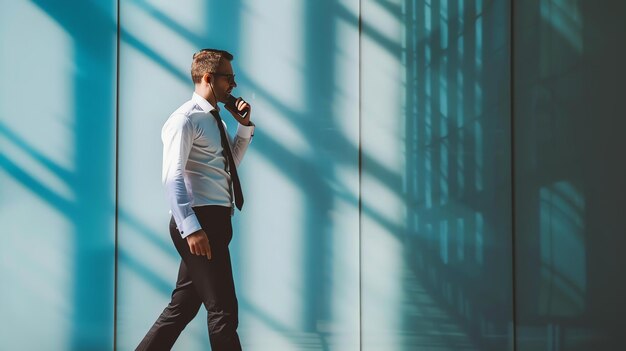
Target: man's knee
{"type": "Point", "coordinates": [181, 313]}
{"type": "Point", "coordinates": [222, 324]}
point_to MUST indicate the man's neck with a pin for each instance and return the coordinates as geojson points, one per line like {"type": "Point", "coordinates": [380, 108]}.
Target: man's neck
{"type": "Point", "coordinates": [207, 95]}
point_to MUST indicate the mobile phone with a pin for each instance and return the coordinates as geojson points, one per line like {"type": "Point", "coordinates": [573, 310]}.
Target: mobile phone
{"type": "Point", "coordinates": [231, 104]}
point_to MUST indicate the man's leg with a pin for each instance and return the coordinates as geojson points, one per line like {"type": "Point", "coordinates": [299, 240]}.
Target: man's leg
{"type": "Point", "coordinates": [213, 279]}
{"type": "Point", "coordinates": [182, 308]}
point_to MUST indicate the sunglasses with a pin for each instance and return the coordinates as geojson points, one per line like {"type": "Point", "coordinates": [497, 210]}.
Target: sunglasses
{"type": "Point", "coordinates": [230, 77]}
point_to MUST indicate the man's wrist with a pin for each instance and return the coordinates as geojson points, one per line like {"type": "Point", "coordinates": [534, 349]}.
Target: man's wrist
{"type": "Point", "coordinates": [246, 131]}
{"type": "Point", "coordinates": [194, 233]}
{"type": "Point", "coordinates": [189, 226]}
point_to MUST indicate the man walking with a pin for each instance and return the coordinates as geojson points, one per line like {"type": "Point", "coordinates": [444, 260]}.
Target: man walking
{"type": "Point", "coordinates": [200, 178]}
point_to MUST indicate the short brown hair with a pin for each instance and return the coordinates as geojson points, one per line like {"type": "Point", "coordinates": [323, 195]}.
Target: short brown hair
{"type": "Point", "coordinates": [206, 61]}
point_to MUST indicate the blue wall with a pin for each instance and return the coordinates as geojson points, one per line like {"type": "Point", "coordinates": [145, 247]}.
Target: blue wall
{"type": "Point", "coordinates": [436, 180]}
{"type": "Point", "coordinates": [295, 247]}
{"type": "Point", "coordinates": [570, 177]}
{"type": "Point", "coordinates": [426, 174]}
{"type": "Point", "coordinates": [57, 174]}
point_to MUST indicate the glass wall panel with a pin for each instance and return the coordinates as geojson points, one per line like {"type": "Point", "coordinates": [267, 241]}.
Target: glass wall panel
{"type": "Point", "coordinates": [57, 174]}
{"type": "Point", "coordinates": [436, 182]}
{"type": "Point", "coordinates": [378, 186]}
{"type": "Point", "coordinates": [569, 118]}
{"type": "Point", "coordinates": [295, 245]}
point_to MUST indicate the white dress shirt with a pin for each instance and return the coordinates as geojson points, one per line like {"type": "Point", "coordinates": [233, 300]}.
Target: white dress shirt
{"type": "Point", "coordinates": [194, 167]}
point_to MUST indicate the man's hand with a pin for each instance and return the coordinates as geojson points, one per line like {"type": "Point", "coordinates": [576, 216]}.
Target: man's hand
{"type": "Point", "coordinates": [199, 244]}
{"type": "Point", "coordinates": [241, 105]}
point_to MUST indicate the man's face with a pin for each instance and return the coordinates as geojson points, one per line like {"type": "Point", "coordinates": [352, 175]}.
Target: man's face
{"type": "Point", "coordinates": [223, 80]}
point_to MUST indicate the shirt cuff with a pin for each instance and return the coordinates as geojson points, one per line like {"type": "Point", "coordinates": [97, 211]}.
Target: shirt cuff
{"type": "Point", "coordinates": [190, 225]}
{"type": "Point", "coordinates": [246, 132]}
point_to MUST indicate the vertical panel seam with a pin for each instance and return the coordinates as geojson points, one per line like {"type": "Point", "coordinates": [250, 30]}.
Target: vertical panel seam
{"type": "Point", "coordinates": [117, 110]}
{"type": "Point", "coordinates": [512, 131]}
{"type": "Point", "coordinates": [360, 156]}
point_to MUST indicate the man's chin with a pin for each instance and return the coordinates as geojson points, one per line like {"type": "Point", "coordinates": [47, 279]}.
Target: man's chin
{"type": "Point", "coordinates": [224, 98]}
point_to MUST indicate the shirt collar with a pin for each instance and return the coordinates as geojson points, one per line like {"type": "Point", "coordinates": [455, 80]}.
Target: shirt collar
{"type": "Point", "coordinates": [203, 103]}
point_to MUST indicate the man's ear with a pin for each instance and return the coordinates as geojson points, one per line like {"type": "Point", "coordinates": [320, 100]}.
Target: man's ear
{"type": "Point", "coordinates": [207, 78]}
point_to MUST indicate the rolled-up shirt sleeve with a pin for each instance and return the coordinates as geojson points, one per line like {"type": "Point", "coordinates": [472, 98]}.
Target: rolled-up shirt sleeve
{"type": "Point", "coordinates": [177, 136]}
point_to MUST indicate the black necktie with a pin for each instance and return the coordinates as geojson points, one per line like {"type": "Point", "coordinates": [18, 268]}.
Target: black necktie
{"type": "Point", "coordinates": [230, 160]}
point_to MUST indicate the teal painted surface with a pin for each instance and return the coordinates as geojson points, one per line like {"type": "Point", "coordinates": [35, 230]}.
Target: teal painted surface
{"type": "Point", "coordinates": [436, 187]}
{"type": "Point", "coordinates": [569, 148]}
{"type": "Point", "coordinates": [57, 174]}
{"type": "Point", "coordinates": [295, 246]}
{"type": "Point", "coordinates": [430, 268]}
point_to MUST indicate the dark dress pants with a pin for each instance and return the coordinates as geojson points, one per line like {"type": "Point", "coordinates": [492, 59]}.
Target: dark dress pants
{"type": "Point", "coordinates": [201, 281]}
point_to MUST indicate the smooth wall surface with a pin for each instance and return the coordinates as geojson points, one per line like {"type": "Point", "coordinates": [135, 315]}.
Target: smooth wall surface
{"type": "Point", "coordinates": [436, 186]}
{"type": "Point", "coordinates": [295, 246]}
{"type": "Point", "coordinates": [57, 174]}
{"type": "Point", "coordinates": [570, 174]}
{"type": "Point", "coordinates": [399, 163]}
